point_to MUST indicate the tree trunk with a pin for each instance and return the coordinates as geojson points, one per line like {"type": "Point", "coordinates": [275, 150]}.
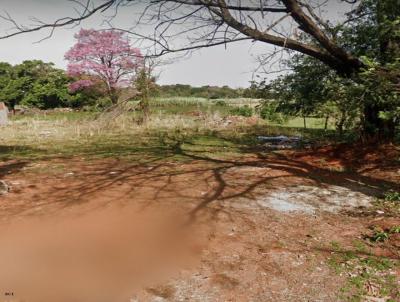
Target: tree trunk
{"type": "Point", "coordinates": [145, 108]}
{"type": "Point", "coordinates": [112, 92]}
{"type": "Point", "coordinates": [12, 107]}
{"type": "Point", "coordinates": [339, 126]}
{"type": "Point", "coordinates": [371, 123]}
{"type": "Point", "coordinates": [326, 122]}
{"type": "Point", "coordinates": [374, 126]}
{"type": "Point", "coordinates": [388, 13]}
{"type": "Point", "coordinates": [114, 98]}
{"type": "Point", "coordinates": [304, 122]}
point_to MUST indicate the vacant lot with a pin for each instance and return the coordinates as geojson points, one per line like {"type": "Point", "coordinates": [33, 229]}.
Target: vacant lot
{"type": "Point", "coordinates": [193, 207]}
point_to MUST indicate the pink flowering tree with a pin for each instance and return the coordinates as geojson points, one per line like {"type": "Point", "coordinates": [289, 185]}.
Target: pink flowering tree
{"type": "Point", "coordinates": [104, 55]}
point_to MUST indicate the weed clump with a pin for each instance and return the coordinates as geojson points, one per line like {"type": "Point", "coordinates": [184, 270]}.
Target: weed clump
{"type": "Point", "coordinates": [245, 111]}
{"type": "Point", "coordinates": [392, 196]}
{"type": "Point", "coordinates": [367, 276]}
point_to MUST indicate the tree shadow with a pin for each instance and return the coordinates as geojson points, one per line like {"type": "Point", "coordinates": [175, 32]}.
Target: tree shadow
{"type": "Point", "coordinates": [11, 168]}
{"type": "Point", "coordinates": [8, 153]}
{"type": "Point", "coordinates": [162, 177]}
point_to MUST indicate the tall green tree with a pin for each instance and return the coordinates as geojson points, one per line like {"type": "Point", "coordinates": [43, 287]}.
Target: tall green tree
{"type": "Point", "coordinates": [369, 96]}
{"type": "Point", "coordinates": [36, 84]}
{"type": "Point", "coordinates": [376, 31]}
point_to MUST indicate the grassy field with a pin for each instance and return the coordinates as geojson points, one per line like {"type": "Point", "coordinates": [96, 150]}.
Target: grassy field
{"type": "Point", "coordinates": [178, 105]}
{"type": "Point", "coordinates": [74, 134]}
{"type": "Point", "coordinates": [206, 123]}
{"type": "Point", "coordinates": [311, 122]}
{"type": "Point", "coordinates": [224, 107]}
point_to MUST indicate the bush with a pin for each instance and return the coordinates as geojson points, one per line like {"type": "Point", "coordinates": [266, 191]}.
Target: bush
{"type": "Point", "coordinates": [242, 111]}
{"type": "Point", "coordinates": [268, 111]}
{"type": "Point", "coordinates": [392, 196]}
{"type": "Point", "coordinates": [101, 104]}
{"type": "Point", "coordinates": [221, 103]}
{"type": "Point", "coordinates": [104, 102]}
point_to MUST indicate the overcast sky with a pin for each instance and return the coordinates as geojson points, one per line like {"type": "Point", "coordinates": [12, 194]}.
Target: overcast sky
{"type": "Point", "coordinates": [212, 66]}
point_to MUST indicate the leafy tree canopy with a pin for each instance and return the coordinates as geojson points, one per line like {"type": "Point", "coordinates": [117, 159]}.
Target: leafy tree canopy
{"type": "Point", "coordinates": [36, 84]}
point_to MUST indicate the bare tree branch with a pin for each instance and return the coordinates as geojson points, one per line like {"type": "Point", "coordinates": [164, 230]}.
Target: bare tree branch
{"type": "Point", "coordinates": [58, 23]}
{"type": "Point", "coordinates": [231, 7]}
{"type": "Point", "coordinates": [186, 25]}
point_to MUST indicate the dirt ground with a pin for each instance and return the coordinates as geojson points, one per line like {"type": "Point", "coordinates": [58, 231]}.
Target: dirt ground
{"type": "Point", "coordinates": [258, 228]}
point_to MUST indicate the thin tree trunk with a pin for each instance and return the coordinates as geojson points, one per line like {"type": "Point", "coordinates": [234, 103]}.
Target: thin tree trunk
{"type": "Point", "coordinates": [326, 122]}
{"type": "Point", "coordinates": [340, 125]}
{"type": "Point", "coordinates": [144, 105]}
{"type": "Point", "coordinates": [113, 97]}
{"type": "Point", "coordinates": [375, 128]}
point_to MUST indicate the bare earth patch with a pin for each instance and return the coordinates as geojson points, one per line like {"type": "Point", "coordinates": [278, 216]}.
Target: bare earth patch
{"type": "Point", "coordinates": [310, 199]}
{"type": "Point", "coordinates": [253, 229]}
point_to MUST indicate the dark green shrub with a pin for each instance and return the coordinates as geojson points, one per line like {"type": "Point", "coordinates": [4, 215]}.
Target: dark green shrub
{"type": "Point", "coordinates": [103, 102]}
{"type": "Point", "coordinates": [221, 103]}
{"type": "Point", "coordinates": [242, 111]}
{"type": "Point", "coordinates": [268, 111]}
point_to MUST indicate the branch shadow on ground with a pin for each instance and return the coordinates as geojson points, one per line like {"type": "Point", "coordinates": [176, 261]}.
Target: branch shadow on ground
{"type": "Point", "coordinates": [10, 165]}
{"type": "Point", "coordinates": [163, 177]}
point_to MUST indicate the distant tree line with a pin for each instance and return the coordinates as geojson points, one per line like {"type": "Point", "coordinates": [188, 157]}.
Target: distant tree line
{"type": "Point", "coordinates": [209, 92]}
{"type": "Point", "coordinates": [41, 85]}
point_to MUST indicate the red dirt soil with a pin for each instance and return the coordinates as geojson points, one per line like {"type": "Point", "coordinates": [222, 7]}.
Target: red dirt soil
{"type": "Point", "coordinates": [109, 230]}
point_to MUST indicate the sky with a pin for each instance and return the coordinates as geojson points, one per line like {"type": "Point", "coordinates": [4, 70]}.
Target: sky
{"type": "Point", "coordinates": [233, 66]}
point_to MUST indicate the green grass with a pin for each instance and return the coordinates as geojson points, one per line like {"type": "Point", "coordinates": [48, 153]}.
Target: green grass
{"type": "Point", "coordinates": [44, 137]}
{"type": "Point", "coordinates": [56, 116]}
{"type": "Point", "coordinates": [67, 135]}
{"type": "Point", "coordinates": [364, 271]}
{"type": "Point", "coordinates": [182, 105]}
{"type": "Point", "coordinates": [392, 196]}
{"type": "Point", "coordinates": [311, 122]}
{"type": "Point", "coordinates": [190, 106]}
{"type": "Point", "coordinates": [187, 106]}
{"type": "Point", "coordinates": [195, 123]}
{"type": "Point", "coordinates": [167, 101]}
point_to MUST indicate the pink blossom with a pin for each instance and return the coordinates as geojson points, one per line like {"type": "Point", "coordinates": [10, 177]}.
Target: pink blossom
{"type": "Point", "coordinates": [80, 84]}
{"type": "Point", "coordinates": [105, 54]}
